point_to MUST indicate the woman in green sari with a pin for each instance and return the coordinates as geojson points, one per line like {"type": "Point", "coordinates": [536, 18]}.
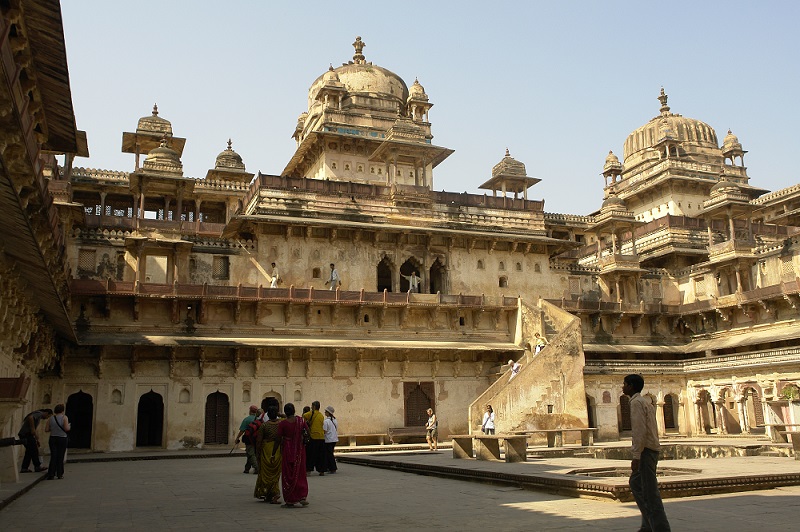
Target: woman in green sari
{"type": "Point", "coordinates": [269, 453]}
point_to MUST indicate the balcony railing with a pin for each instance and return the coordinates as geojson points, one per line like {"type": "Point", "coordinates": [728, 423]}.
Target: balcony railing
{"type": "Point", "coordinates": [92, 287]}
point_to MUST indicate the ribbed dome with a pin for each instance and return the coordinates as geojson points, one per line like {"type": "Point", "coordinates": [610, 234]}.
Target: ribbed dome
{"type": "Point", "coordinates": [688, 131]}
{"type": "Point", "coordinates": [417, 92]}
{"type": "Point", "coordinates": [509, 166]}
{"type": "Point", "coordinates": [154, 124]}
{"type": "Point", "coordinates": [163, 160]}
{"type": "Point", "coordinates": [229, 159]}
{"type": "Point", "coordinates": [362, 78]}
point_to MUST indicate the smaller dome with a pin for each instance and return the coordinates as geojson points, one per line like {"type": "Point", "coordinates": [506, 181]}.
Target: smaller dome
{"type": "Point", "coordinates": [229, 159]}
{"type": "Point", "coordinates": [724, 186]}
{"type": "Point", "coordinates": [613, 202]}
{"type": "Point", "coordinates": [731, 144]}
{"type": "Point", "coordinates": [163, 160]}
{"type": "Point", "coordinates": [154, 124]}
{"type": "Point", "coordinates": [612, 165]}
{"type": "Point", "coordinates": [417, 92]}
{"type": "Point", "coordinates": [509, 167]}
{"type": "Point", "coordinates": [330, 75]}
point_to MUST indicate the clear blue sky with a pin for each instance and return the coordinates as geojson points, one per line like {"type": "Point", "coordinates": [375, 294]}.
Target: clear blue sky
{"type": "Point", "coordinates": [559, 83]}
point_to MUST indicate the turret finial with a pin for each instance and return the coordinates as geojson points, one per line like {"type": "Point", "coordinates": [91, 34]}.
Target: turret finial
{"type": "Point", "coordinates": [359, 46]}
{"type": "Point", "coordinates": [155, 109]}
{"type": "Point", "coordinates": [663, 99]}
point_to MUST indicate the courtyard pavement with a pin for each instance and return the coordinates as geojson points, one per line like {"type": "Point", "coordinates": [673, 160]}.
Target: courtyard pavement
{"type": "Point", "coordinates": [212, 493]}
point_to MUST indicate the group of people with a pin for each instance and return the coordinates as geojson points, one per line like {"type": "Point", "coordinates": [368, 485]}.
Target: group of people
{"type": "Point", "coordinates": [287, 448]}
{"type": "Point", "coordinates": [57, 424]}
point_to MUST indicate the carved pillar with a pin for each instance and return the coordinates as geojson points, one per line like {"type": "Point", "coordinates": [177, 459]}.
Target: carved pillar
{"type": "Point", "coordinates": [698, 419]}
{"type": "Point", "coordinates": [721, 425]}
{"type": "Point", "coordinates": [660, 418]}
{"type": "Point", "coordinates": [743, 421]}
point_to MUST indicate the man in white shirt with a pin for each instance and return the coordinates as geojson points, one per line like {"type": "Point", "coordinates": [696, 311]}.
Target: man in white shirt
{"type": "Point", "coordinates": [276, 278]}
{"type": "Point", "coordinates": [413, 281]}
{"type": "Point", "coordinates": [335, 281]}
{"type": "Point", "coordinates": [645, 449]}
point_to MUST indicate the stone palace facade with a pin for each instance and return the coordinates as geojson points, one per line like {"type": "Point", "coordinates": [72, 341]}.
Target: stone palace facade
{"type": "Point", "coordinates": [147, 301]}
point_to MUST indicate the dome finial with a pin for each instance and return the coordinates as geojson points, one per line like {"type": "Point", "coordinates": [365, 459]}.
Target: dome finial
{"type": "Point", "coordinates": [359, 46]}
{"type": "Point", "coordinates": [507, 153]}
{"type": "Point", "coordinates": [230, 144]}
{"type": "Point", "coordinates": [330, 67]}
{"type": "Point", "coordinates": [663, 99]}
{"type": "Point", "coordinates": [155, 109]}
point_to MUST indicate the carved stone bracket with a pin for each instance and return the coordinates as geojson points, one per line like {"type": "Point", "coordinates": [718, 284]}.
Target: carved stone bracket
{"type": "Point", "coordinates": [636, 321]}
{"type": "Point", "coordinates": [384, 367]}
{"type": "Point", "coordinates": [334, 362]}
{"type": "Point", "coordinates": [134, 360]}
{"type": "Point", "coordinates": [201, 352]}
{"type": "Point", "coordinates": [724, 314]}
{"type": "Point", "coordinates": [172, 361]}
{"type": "Point", "coordinates": [404, 313]}
{"type": "Point", "coordinates": [616, 319]}
{"type": "Point", "coordinates": [309, 315]}
{"type": "Point", "coordinates": [477, 314]}
{"type": "Point", "coordinates": [595, 320]}
{"type": "Point", "coordinates": [435, 366]}
{"type": "Point", "coordinates": [236, 361]}
{"type": "Point", "coordinates": [287, 313]}
{"type": "Point", "coordinates": [237, 311]}
{"type": "Point", "coordinates": [382, 316]}
{"type": "Point", "coordinates": [406, 364]}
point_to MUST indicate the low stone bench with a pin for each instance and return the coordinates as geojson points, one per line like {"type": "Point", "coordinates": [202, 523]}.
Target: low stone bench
{"type": "Point", "coordinates": [406, 432]}
{"type": "Point", "coordinates": [488, 446]}
{"type": "Point", "coordinates": [555, 437]}
{"type": "Point", "coordinates": [793, 435]}
{"type": "Point", "coordinates": [352, 439]}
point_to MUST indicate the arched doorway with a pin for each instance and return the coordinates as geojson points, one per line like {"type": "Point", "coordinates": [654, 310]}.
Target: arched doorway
{"type": "Point", "coordinates": [624, 413]}
{"type": "Point", "coordinates": [754, 411]}
{"type": "Point", "coordinates": [217, 418]}
{"type": "Point", "coordinates": [384, 275]}
{"type": "Point", "coordinates": [730, 412]}
{"type": "Point", "coordinates": [272, 398]}
{"type": "Point", "coordinates": [418, 399]}
{"type": "Point", "coordinates": [406, 269]}
{"type": "Point", "coordinates": [80, 410]}
{"type": "Point", "coordinates": [150, 420]}
{"type": "Point", "coordinates": [436, 277]}
{"type": "Point", "coordinates": [707, 420]}
{"type": "Point", "coordinates": [590, 412]}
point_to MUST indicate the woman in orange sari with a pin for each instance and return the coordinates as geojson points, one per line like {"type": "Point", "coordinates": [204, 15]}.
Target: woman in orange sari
{"type": "Point", "coordinates": [293, 460]}
{"type": "Point", "coordinates": [268, 451]}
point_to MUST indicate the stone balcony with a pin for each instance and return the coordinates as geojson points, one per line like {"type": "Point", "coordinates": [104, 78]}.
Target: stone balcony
{"type": "Point", "coordinates": [731, 249]}
{"type": "Point", "coordinates": [619, 263]}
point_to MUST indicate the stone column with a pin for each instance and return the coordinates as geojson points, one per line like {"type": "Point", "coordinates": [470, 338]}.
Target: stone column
{"type": "Point", "coordinates": [721, 426]}
{"type": "Point", "coordinates": [698, 421]}
{"type": "Point", "coordinates": [660, 418]}
{"type": "Point", "coordinates": [743, 421]}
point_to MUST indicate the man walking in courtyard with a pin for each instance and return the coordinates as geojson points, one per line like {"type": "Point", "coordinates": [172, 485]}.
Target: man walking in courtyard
{"type": "Point", "coordinates": [30, 439]}
{"type": "Point", "coordinates": [645, 449]}
{"type": "Point", "coordinates": [249, 447]}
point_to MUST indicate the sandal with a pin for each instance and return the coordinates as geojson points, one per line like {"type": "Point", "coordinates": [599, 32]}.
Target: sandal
{"type": "Point", "coordinates": [275, 500]}
{"type": "Point", "coordinates": [287, 505]}
{"type": "Point", "coordinates": [303, 502]}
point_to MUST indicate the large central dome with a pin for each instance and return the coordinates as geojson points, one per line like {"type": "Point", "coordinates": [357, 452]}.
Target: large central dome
{"type": "Point", "coordinates": [667, 125]}
{"type": "Point", "coordinates": [360, 77]}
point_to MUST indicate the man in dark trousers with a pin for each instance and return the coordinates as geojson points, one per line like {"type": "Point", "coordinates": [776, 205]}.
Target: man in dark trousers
{"type": "Point", "coordinates": [645, 449]}
{"type": "Point", "coordinates": [315, 449]}
{"type": "Point", "coordinates": [31, 440]}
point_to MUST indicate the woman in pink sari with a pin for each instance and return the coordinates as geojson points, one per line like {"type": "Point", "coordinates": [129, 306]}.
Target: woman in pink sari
{"type": "Point", "coordinates": [293, 461]}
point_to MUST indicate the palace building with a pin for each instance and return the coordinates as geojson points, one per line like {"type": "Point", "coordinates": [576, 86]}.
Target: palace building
{"type": "Point", "coordinates": [143, 298]}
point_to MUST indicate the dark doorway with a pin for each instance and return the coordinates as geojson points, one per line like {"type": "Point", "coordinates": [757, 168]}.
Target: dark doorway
{"type": "Point", "coordinates": [436, 277]}
{"type": "Point", "coordinates": [419, 397]}
{"type": "Point", "coordinates": [590, 412]}
{"type": "Point", "coordinates": [217, 410]}
{"type": "Point", "coordinates": [406, 269]}
{"type": "Point", "coordinates": [669, 413]}
{"type": "Point", "coordinates": [79, 411]}
{"type": "Point", "coordinates": [624, 413]}
{"type": "Point", "coordinates": [384, 275]}
{"type": "Point", "coordinates": [150, 420]}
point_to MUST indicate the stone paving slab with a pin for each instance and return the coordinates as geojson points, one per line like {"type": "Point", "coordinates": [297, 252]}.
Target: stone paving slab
{"type": "Point", "coordinates": [179, 494]}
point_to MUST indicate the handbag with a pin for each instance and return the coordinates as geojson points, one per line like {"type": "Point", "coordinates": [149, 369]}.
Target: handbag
{"type": "Point", "coordinates": [306, 433]}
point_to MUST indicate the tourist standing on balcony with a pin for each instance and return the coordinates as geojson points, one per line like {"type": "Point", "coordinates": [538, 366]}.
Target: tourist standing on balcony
{"type": "Point", "coordinates": [31, 440]}
{"type": "Point", "coordinates": [413, 282]}
{"type": "Point", "coordinates": [432, 431]}
{"type": "Point", "coordinates": [645, 449]}
{"type": "Point", "coordinates": [335, 281]}
{"type": "Point", "coordinates": [276, 278]}
{"type": "Point", "coordinates": [540, 341]}
{"type": "Point", "coordinates": [488, 421]}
